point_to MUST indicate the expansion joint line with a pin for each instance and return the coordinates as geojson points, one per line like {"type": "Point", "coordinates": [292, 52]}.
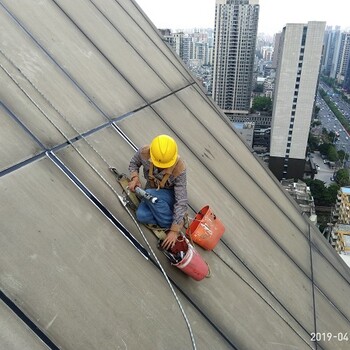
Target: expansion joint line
{"type": "Point", "coordinates": [98, 173]}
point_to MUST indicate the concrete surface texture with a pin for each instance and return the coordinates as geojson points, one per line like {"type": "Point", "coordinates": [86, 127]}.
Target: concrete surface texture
{"type": "Point", "coordinates": [85, 83]}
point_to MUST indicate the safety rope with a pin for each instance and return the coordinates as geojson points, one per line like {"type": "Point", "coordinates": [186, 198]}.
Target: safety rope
{"type": "Point", "coordinates": [166, 277]}
{"type": "Point", "coordinates": [98, 173]}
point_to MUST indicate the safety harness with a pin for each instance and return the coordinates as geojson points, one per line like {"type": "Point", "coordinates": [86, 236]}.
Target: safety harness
{"type": "Point", "coordinates": [175, 170]}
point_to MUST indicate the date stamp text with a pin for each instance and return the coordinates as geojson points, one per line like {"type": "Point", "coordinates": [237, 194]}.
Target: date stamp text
{"type": "Point", "coordinates": [328, 336]}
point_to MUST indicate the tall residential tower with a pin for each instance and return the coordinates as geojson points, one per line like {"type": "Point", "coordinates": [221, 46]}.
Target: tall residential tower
{"type": "Point", "coordinates": [235, 32]}
{"type": "Point", "coordinates": [298, 67]}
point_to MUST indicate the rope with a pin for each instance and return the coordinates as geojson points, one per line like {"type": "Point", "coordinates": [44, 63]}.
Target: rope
{"type": "Point", "coordinates": [99, 174]}
{"type": "Point", "coordinates": [166, 278]}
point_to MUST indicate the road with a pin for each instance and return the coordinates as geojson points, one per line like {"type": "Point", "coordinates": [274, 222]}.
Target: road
{"type": "Point", "coordinates": [329, 120]}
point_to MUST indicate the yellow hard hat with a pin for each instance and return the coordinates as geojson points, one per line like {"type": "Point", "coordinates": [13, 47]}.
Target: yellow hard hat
{"type": "Point", "coordinates": [163, 151]}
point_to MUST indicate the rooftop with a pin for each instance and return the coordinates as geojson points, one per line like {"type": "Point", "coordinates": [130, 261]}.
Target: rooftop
{"type": "Point", "coordinates": [345, 190]}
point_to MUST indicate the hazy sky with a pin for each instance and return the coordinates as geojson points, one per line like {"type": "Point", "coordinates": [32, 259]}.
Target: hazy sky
{"type": "Point", "coordinates": [274, 14]}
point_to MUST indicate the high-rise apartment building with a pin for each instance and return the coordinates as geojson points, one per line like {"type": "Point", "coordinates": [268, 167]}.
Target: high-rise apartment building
{"type": "Point", "coordinates": [336, 60]}
{"type": "Point", "coordinates": [298, 66]}
{"type": "Point", "coordinates": [331, 51]}
{"type": "Point", "coordinates": [344, 57]}
{"type": "Point", "coordinates": [190, 46]}
{"type": "Point", "coordinates": [341, 212]}
{"type": "Point", "coordinates": [235, 33]}
{"type": "Point", "coordinates": [346, 84]}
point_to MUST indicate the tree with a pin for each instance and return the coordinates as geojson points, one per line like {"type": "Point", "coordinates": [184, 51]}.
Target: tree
{"type": "Point", "coordinates": [342, 177]}
{"type": "Point", "coordinates": [331, 193]}
{"type": "Point", "coordinates": [316, 110]}
{"type": "Point", "coordinates": [323, 195]}
{"type": "Point", "coordinates": [324, 147]}
{"type": "Point", "coordinates": [262, 103]}
{"type": "Point", "coordinates": [332, 153]}
{"type": "Point", "coordinates": [317, 189]}
{"type": "Point", "coordinates": [313, 142]}
{"type": "Point", "coordinates": [342, 155]}
{"type": "Point", "coordinates": [316, 123]}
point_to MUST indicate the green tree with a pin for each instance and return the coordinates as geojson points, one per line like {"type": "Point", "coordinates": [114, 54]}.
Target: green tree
{"type": "Point", "coordinates": [313, 142]}
{"type": "Point", "coordinates": [316, 110]}
{"type": "Point", "coordinates": [323, 195]}
{"type": "Point", "coordinates": [316, 123]}
{"type": "Point", "coordinates": [332, 153]}
{"type": "Point", "coordinates": [262, 103]}
{"type": "Point", "coordinates": [317, 189]}
{"type": "Point", "coordinates": [324, 147]}
{"type": "Point", "coordinates": [341, 155]}
{"type": "Point", "coordinates": [331, 136]}
{"type": "Point", "coordinates": [332, 192]}
{"type": "Point", "coordinates": [342, 177]}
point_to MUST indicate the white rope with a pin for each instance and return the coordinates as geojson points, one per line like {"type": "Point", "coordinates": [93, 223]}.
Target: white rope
{"type": "Point", "coordinates": [100, 175]}
{"type": "Point", "coordinates": [165, 276]}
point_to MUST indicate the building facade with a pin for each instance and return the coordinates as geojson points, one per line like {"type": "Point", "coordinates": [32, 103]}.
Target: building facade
{"type": "Point", "coordinates": [341, 213]}
{"type": "Point", "coordinates": [344, 56]}
{"type": "Point", "coordinates": [332, 40]}
{"type": "Point", "coordinates": [298, 66]}
{"type": "Point", "coordinates": [340, 229]}
{"type": "Point", "coordinates": [336, 60]}
{"type": "Point", "coordinates": [302, 195]}
{"type": "Point", "coordinates": [192, 48]}
{"type": "Point", "coordinates": [235, 34]}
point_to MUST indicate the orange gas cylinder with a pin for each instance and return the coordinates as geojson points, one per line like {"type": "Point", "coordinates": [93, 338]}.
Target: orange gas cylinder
{"type": "Point", "coordinates": [205, 229]}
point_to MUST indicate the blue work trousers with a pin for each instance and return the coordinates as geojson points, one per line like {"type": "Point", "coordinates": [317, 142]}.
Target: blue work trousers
{"type": "Point", "coordinates": [159, 213]}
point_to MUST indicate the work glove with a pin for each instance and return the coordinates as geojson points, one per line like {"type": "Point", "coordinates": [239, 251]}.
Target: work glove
{"type": "Point", "coordinates": [135, 182]}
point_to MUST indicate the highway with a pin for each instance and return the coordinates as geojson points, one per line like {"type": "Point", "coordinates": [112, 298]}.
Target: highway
{"type": "Point", "coordinates": [329, 120]}
{"type": "Point", "coordinates": [331, 123]}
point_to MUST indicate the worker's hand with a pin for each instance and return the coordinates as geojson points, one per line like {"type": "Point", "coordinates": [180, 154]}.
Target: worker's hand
{"type": "Point", "coordinates": [135, 182]}
{"type": "Point", "coordinates": [169, 240]}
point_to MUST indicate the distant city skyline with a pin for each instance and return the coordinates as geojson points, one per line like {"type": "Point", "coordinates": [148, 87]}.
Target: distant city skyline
{"type": "Point", "coordinates": [274, 14]}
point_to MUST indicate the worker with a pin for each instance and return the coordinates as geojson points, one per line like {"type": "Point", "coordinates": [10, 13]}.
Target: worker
{"type": "Point", "coordinates": [165, 173]}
